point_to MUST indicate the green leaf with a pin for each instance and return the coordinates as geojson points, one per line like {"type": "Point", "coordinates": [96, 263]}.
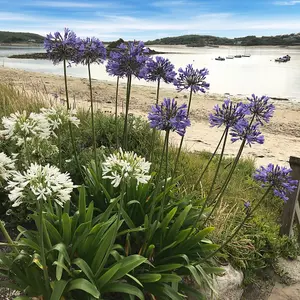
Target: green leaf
{"type": "Point", "coordinates": [89, 213]}
{"type": "Point", "coordinates": [167, 219]}
{"type": "Point", "coordinates": [82, 204]}
{"type": "Point", "coordinates": [83, 285]}
{"type": "Point", "coordinates": [107, 276]}
{"type": "Point", "coordinates": [67, 228]}
{"type": "Point", "coordinates": [53, 233]}
{"type": "Point", "coordinates": [22, 298]}
{"type": "Point", "coordinates": [127, 219]}
{"type": "Point", "coordinates": [124, 288]}
{"type": "Point", "coordinates": [81, 264]}
{"type": "Point", "coordinates": [58, 289]}
{"type": "Point", "coordinates": [148, 277]}
{"type": "Point", "coordinates": [168, 267]}
{"type": "Point", "coordinates": [214, 270]}
{"type": "Point", "coordinates": [61, 248]}
{"type": "Point", "coordinates": [177, 224]}
{"type": "Point", "coordinates": [128, 264]}
{"type": "Point", "coordinates": [191, 292]}
{"type": "Point", "coordinates": [170, 278]}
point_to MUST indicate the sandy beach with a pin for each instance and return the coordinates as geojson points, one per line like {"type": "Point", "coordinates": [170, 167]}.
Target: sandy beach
{"type": "Point", "coordinates": [282, 135]}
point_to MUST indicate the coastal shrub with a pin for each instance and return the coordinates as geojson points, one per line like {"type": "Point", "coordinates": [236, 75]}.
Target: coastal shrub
{"type": "Point", "coordinates": [133, 225]}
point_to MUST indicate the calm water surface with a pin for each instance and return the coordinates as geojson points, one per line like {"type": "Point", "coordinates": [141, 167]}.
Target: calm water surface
{"type": "Point", "coordinates": [258, 73]}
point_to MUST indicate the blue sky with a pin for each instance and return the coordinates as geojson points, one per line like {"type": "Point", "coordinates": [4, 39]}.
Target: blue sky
{"type": "Point", "coordinates": [151, 19]}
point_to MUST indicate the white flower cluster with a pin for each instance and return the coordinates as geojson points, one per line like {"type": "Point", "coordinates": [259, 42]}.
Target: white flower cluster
{"type": "Point", "coordinates": [20, 126]}
{"type": "Point", "coordinates": [40, 182]}
{"type": "Point", "coordinates": [59, 116]}
{"type": "Point", "coordinates": [124, 166]}
{"type": "Point", "coordinates": [7, 165]}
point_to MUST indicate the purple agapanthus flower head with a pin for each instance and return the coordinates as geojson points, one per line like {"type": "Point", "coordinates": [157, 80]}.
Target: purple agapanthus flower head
{"type": "Point", "coordinates": [278, 178]}
{"type": "Point", "coordinates": [159, 68]}
{"type": "Point", "coordinates": [61, 47]}
{"type": "Point", "coordinates": [90, 50]}
{"type": "Point", "coordinates": [190, 78]}
{"type": "Point", "coordinates": [169, 117]}
{"type": "Point", "coordinates": [128, 60]}
{"type": "Point", "coordinates": [243, 130]}
{"type": "Point", "coordinates": [228, 115]}
{"type": "Point", "coordinates": [260, 108]}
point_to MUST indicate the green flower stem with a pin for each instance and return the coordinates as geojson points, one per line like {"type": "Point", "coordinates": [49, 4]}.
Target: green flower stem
{"type": "Point", "coordinates": [248, 215]}
{"type": "Point", "coordinates": [43, 257]}
{"type": "Point", "coordinates": [59, 148]}
{"type": "Point", "coordinates": [116, 111]}
{"type": "Point", "coordinates": [210, 160]}
{"type": "Point", "coordinates": [214, 180]}
{"type": "Point", "coordinates": [181, 142]}
{"type": "Point", "coordinates": [7, 237]}
{"type": "Point", "coordinates": [221, 193]}
{"type": "Point", "coordinates": [154, 130]}
{"type": "Point", "coordinates": [161, 213]}
{"type": "Point", "coordinates": [125, 141]}
{"type": "Point", "coordinates": [92, 115]}
{"type": "Point", "coordinates": [70, 124]}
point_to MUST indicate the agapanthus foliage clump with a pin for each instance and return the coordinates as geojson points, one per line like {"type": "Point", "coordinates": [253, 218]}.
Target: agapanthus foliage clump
{"type": "Point", "coordinates": [260, 108]}
{"type": "Point", "coordinates": [7, 165]}
{"type": "Point", "coordinates": [159, 68]}
{"type": "Point", "coordinates": [23, 127]}
{"type": "Point", "coordinates": [193, 79]}
{"type": "Point", "coordinates": [61, 46]}
{"type": "Point", "coordinates": [58, 117]}
{"type": "Point", "coordinates": [90, 50]}
{"type": "Point", "coordinates": [123, 166]}
{"type": "Point", "coordinates": [243, 130]}
{"type": "Point", "coordinates": [169, 117]}
{"type": "Point", "coordinates": [42, 183]}
{"type": "Point", "coordinates": [227, 115]}
{"type": "Point", "coordinates": [278, 178]}
{"type": "Point", "coordinates": [128, 60]}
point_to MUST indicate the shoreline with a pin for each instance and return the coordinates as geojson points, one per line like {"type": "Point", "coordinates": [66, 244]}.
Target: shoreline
{"type": "Point", "coordinates": [282, 134]}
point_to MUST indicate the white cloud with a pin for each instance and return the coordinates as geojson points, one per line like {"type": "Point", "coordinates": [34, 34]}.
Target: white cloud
{"type": "Point", "coordinates": [66, 4]}
{"type": "Point", "coordinates": [169, 3]}
{"type": "Point", "coordinates": [287, 3]}
{"type": "Point", "coordinates": [8, 16]}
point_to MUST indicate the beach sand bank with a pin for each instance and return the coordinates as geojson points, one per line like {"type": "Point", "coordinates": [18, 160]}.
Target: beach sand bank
{"type": "Point", "coordinates": [282, 135]}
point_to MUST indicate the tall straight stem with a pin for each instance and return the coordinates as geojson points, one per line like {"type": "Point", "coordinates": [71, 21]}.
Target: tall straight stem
{"type": "Point", "coordinates": [7, 237]}
{"type": "Point", "coordinates": [116, 112]}
{"type": "Point", "coordinates": [92, 116]}
{"type": "Point", "coordinates": [221, 193]}
{"type": "Point", "coordinates": [181, 141]}
{"type": "Point", "coordinates": [59, 148]}
{"type": "Point", "coordinates": [125, 141]}
{"type": "Point", "coordinates": [154, 130]}
{"type": "Point", "coordinates": [70, 124]}
{"type": "Point", "coordinates": [214, 179]}
{"type": "Point", "coordinates": [43, 257]}
{"type": "Point", "coordinates": [248, 215]}
{"type": "Point", "coordinates": [161, 213]}
{"type": "Point", "coordinates": [210, 159]}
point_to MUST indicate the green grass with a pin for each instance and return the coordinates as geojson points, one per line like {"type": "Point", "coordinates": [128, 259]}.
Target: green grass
{"type": "Point", "coordinates": [256, 246]}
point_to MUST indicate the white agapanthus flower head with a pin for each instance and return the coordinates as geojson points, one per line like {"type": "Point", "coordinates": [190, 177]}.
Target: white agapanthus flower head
{"type": "Point", "coordinates": [40, 183]}
{"type": "Point", "coordinates": [20, 126]}
{"type": "Point", "coordinates": [124, 166]}
{"type": "Point", "coordinates": [59, 116]}
{"type": "Point", "coordinates": [7, 165]}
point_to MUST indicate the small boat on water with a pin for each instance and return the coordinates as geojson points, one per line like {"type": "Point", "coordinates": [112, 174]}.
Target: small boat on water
{"type": "Point", "coordinates": [230, 57]}
{"type": "Point", "coordinates": [238, 56]}
{"type": "Point", "coordinates": [246, 55]}
{"type": "Point", "coordinates": [220, 58]}
{"type": "Point", "coordinates": [285, 58]}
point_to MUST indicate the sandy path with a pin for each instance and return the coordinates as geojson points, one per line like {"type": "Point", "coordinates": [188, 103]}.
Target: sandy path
{"type": "Point", "coordinates": [282, 135]}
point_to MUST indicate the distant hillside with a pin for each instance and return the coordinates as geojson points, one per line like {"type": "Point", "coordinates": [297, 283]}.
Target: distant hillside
{"type": "Point", "coordinates": [7, 37]}
{"type": "Point", "coordinates": [195, 40]}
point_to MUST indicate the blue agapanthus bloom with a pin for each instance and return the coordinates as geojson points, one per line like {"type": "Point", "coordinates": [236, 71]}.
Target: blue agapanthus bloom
{"type": "Point", "coordinates": [169, 117]}
{"type": "Point", "coordinates": [190, 78]}
{"type": "Point", "coordinates": [228, 115]}
{"type": "Point", "coordinates": [128, 60]}
{"type": "Point", "coordinates": [159, 68]}
{"type": "Point", "coordinates": [61, 47]}
{"type": "Point", "coordinates": [260, 108]}
{"type": "Point", "coordinates": [90, 50]}
{"type": "Point", "coordinates": [242, 130]}
{"type": "Point", "coordinates": [278, 178]}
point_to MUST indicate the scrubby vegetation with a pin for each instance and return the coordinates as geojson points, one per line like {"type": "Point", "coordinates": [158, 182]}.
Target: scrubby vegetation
{"type": "Point", "coordinates": [7, 37]}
